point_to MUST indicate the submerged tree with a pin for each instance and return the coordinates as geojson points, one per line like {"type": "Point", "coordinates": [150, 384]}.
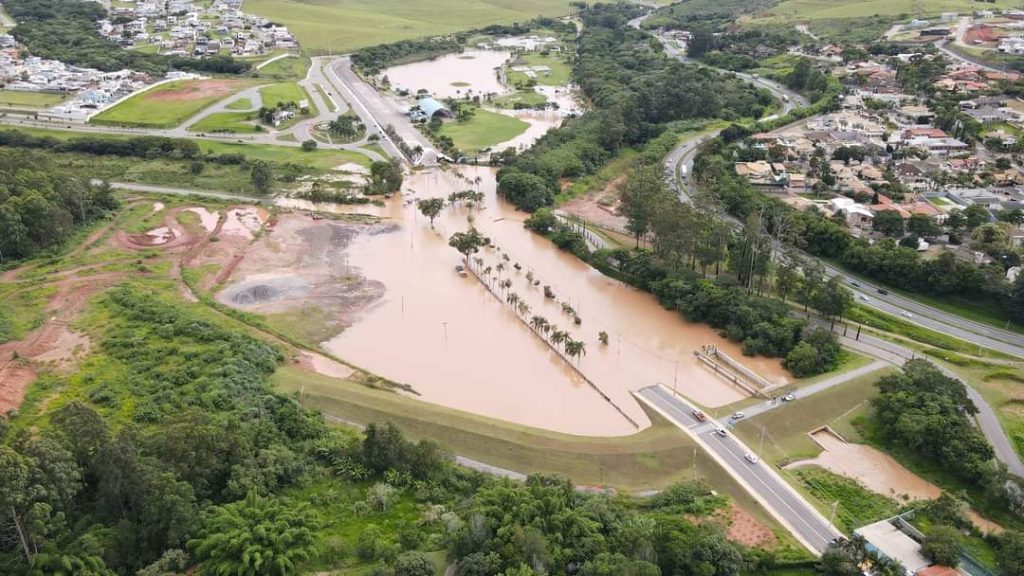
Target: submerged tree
{"type": "Point", "coordinates": [431, 208]}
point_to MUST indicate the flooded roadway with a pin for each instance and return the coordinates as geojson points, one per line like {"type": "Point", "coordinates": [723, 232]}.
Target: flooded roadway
{"type": "Point", "coordinates": [459, 346]}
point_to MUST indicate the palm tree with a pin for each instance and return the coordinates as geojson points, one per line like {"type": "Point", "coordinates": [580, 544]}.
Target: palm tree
{"type": "Point", "coordinates": [512, 299]}
{"type": "Point", "coordinates": [575, 349]}
{"type": "Point", "coordinates": [538, 323]}
{"type": "Point", "coordinates": [524, 308]}
{"type": "Point", "coordinates": [500, 268]}
{"type": "Point", "coordinates": [479, 262]}
{"type": "Point", "coordinates": [558, 336]}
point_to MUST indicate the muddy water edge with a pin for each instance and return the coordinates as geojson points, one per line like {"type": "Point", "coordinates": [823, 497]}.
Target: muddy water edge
{"type": "Point", "coordinates": [460, 346]}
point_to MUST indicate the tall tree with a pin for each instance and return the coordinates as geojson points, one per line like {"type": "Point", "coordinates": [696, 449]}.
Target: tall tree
{"type": "Point", "coordinates": [644, 186]}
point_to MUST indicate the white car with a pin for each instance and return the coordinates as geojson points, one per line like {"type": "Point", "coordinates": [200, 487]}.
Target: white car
{"type": "Point", "coordinates": [906, 314]}
{"type": "Point", "coordinates": [863, 297]}
{"type": "Point", "coordinates": [789, 397]}
{"type": "Point", "coordinates": [737, 415]}
{"type": "Point", "coordinates": [751, 457]}
{"type": "Point", "coordinates": [721, 432]}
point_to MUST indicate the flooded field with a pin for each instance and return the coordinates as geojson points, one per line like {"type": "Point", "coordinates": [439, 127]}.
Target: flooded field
{"type": "Point", "coordinates": [452, 75]}
{"type": "Point", "coordinates": [459, 345]}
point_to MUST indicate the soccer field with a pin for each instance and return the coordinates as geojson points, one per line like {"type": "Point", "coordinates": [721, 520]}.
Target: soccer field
{"type": "Point", "coordinates": [341, 26]}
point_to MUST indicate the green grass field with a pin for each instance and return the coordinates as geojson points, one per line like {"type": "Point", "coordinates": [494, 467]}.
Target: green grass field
{"type": "Point", "coordinates": [559, 75]}
{"type": "Point", "coordinates": [341, 26]}
{"type": "Point", "coordinates": [527, 97]}
{"type": "Point", "coordinates": [804, 10]}
{"type": "Point", "coordinates": [170, 104]}
{"type": "Point", "coordinates": [282, 92]}
{"type": "Point", "coordinates": [857, 505]}
{"type": "Point", "coordinates": [240, 122]}
{"type": "Point", "coordinates": [315, 160]}
{"type": "Point", "coordinates": [484, 130]}
{"type": "Point", "coordinates": [286, 69]}
{"type": "Point", "coordinates": [240, 104]}
{"type": "Point", "coordinates": [21, 99]}
{"type": "Point", "coordinates": [786, 428]}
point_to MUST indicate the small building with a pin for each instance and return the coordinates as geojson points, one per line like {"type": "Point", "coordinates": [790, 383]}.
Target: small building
{"type": "Point", "coordinates": [431, 109]}
{"type": "Point", "coordinates": [885, 539]}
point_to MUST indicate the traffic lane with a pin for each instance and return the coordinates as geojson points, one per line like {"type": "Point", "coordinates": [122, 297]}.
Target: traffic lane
{"type": "Point", "coordinates": [928, 317]}
{"type": "Point", "coordinates": [785, 503]}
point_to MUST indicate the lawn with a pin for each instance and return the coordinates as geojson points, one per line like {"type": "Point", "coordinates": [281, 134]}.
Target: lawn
{"type": "Point", "coordinates": [559, 75]}
{"type": "Point", "coordinates": [282, 92]}
{"type": "Point", "coordinates": [241, 122]}
{"type": "Point", "coordinates": [804, 10]}
{"type": "Point", "coordinates": [331, 106]}
{"type": "Point", "coordinates": [341, 26]}
{"type": "Point", "coordinates": [169, 104]}
{"type": "Point", "coordinates": [484, 130]}
{"type": "Point", "coordinates": [287, 68]}
{"type": "Point", "coordinates": [313, 160]}
{"type": "Point", "coordinates": [786, 428]}
{"type": "Point", "coordinates": [522, 97]}
{"type": "Point", "coordinates": [22, 99]}
{"type": "Point", "coordinates": [240, 104]}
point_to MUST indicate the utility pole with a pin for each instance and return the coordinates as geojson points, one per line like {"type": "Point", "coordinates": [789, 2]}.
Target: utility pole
{"type": "Point", "coordinates": [832, 516]}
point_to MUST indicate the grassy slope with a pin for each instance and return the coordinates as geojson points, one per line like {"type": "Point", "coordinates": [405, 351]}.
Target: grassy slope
{"type": "Point", "coordinates": [142, 110]}
{"type": "Point", "coordinates": [240, 104]}
{"type": "Point", "coordinates": [786, 428]}
{"type": "Point", "coordinates": [344, 25]}
{"type": "Point", "coordinates": [316, 159]}
{"type": "Point", "coordinates": [30, 99]}
{"type": "Point", "coordinates": [227, 122]}
{"type": "Point", "coordinates": [484, 130]}
{"type": "Point", "coordinates": [529, 98]}
{"type": "Point", "coordinates": [827, 9]}
{"type": "Point", "coordinates": [559, 75]}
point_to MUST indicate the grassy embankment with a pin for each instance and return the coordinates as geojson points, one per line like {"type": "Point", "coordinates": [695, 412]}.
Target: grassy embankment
{"type": "Point", "coordinates": [523, 97]}
{"type": "Point", "coordinates": [346, 25]}
{"type": "Point", "coordinates": [169, 172]}
{"type": "Point", "coordinates": [169, 104]}
{"type": "Point", "coordinates": [20, 99]}
{"type": "Point", "coordinates": [483, 130]}
{"type": "Point", "coordinates": [557, 76]}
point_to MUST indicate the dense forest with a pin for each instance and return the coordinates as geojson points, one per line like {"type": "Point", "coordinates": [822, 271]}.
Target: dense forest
{"type": "Point", "coordinates": [65, 30]}
{"type": "Point", "coordinates": [635, 91]}
{"type": "Point", "coordinates": [40, 206]}
{"type": "Point", "coordinates": [173, 452]}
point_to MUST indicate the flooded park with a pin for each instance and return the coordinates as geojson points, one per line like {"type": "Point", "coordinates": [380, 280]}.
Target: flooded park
{"type": "Point", "coordinates": [459, 345]}
{"type": "Point", "coordinates": [452, 75]}
{"type": "Point", "coordinates": [395, 304]}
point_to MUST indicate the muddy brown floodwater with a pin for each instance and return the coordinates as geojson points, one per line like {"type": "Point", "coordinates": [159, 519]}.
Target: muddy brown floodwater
{"type": "Point", "coordinates": [459, 346]}
{"type": "Point", "coordinates": [452, 75]}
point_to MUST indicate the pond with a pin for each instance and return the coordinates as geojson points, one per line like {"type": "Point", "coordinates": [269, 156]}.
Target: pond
{"type": "Point", "coordinates": [452, 75]}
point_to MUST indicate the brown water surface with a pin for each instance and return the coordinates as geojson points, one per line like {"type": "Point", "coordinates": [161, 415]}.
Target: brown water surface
{"type": "Point", "coordinates": [459, 346]}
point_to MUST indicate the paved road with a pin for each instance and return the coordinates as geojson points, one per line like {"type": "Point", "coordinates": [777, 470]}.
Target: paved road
{"type": "Point", "coordinates": [768, 406]}
{"type": "Point", "coordinates": [779, 498]}
{"type": "Point", "coordinates": [376, 112]}
{"type": "Point", "coordinates": [986, 418]}
{"type": "Point", "coordinates": [187, 192]}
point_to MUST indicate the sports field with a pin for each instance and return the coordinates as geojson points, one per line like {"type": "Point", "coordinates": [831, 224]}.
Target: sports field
{"type": "Point", "coordinates": [345, 25]}
{"type": "Point", "coordinates": [22, 99]}
{"type": "Point", "coordinates": [170, 104]}
{"type": "Point", "coordinates": [484, 130]}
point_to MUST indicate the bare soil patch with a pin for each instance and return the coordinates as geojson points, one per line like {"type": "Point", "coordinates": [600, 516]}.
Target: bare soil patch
{"type": "Point", "coordinates": [301, 262]}
{"type": "Point", "coordinates": [195, 90]}
{"type": "Point", "coordinates": [600, 206]}
{"type": "Point", "coordinates": [745, 529]}
{"type": "Point", "coordinates": [876, 470]}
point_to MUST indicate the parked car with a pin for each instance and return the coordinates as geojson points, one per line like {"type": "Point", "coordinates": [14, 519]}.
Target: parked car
{"type": "Point", "coordinates": [699, 415]}
{"type": "Point", "coordinates": [751, 457]}
{"type": "Point", "coordinates": [737, 415]}
{"type": "Point", "coordinates": [789, 397]}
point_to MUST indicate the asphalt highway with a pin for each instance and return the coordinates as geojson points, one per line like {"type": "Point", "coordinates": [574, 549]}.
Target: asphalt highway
{"type": "Point", "coordinates": [790, 508]}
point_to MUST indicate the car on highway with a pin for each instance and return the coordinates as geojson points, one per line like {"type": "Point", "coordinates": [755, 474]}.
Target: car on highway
{"type": "Point", "coordinates": [751, 457]}
{"type": "Point", "coordinates": [863, 297]}
{"type": "Point", "coordinates": [854, 283]}
{"type": "Point", "coordinates": [883, 291]}
{"type": "Point", "coordinates": [737, 415]}
{"type": "Point", "coordinates": [699, 415]}
{"type": "Point", "coordinates": [721, 432]}
{"type": "Point", "coordinates": [789, 397]}
{"type": "Point", "coordinates": [906, 314]}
